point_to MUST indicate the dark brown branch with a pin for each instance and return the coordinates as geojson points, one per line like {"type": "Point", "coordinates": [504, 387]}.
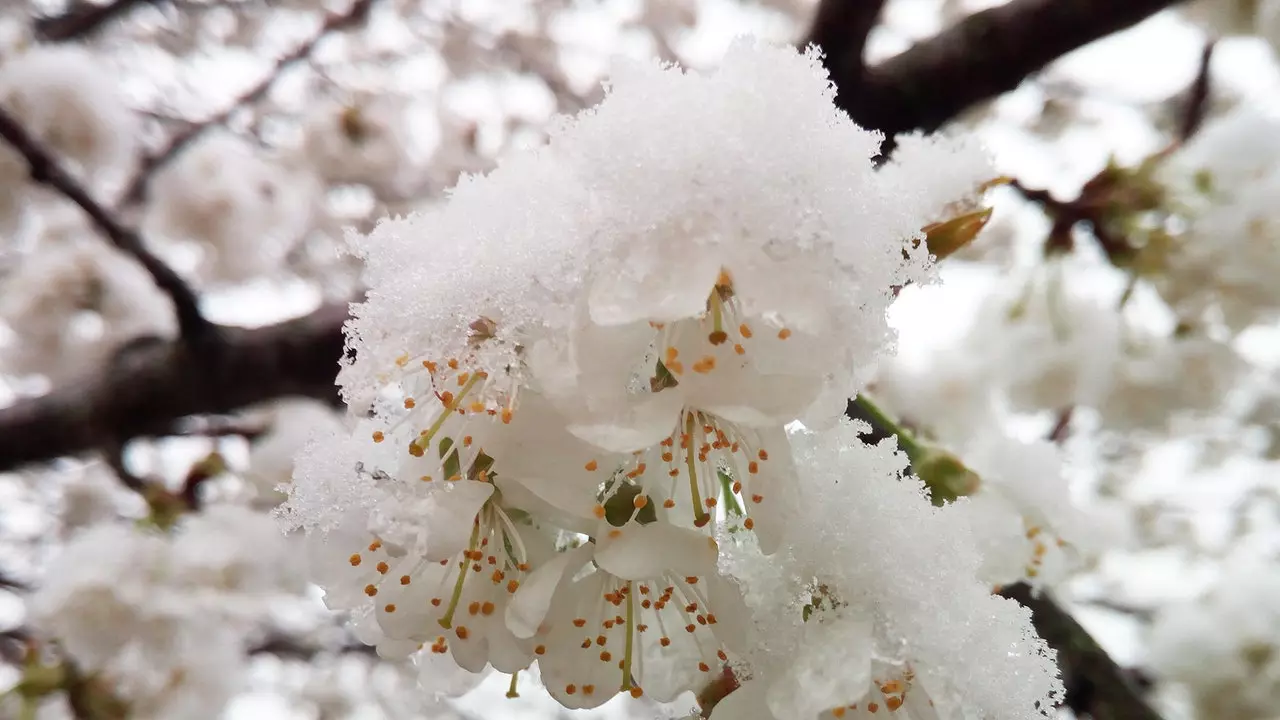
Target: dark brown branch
{"type": "Point", "coordinates": [1097, 687]}
{"type": "Point", "coordinates": [287, 647]}
{"type": "Point", "coordinates": [1197, 102]}
{"type": "Point", "coordinates": [82, 19]}
{"type": "Point", "coordinates": [137, 188]}
{"type": "Point", "coordinates": [149, 389]}
{"type": "Point", "coordinates": [46, 169]}
{"type": "Point", "coordinates": [985, 55]}
{"type": "Point", "coordinates": [841, 29]}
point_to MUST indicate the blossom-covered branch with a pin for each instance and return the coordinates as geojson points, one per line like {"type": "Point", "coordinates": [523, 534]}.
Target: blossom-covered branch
{"type": "Point", "coordinates": [334, 22]}
{"type": "Point", "coordinates": [986, 54]}
{"type": "Point", "coordinates": [46, 169]}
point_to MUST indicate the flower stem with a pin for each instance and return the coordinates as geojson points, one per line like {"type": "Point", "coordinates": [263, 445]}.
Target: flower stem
{"type": "Point", "coordinates": [906, 440]}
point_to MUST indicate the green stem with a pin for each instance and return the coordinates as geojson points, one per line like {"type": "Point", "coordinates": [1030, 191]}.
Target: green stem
{"type": "Point", "coordinates": [906, 441]}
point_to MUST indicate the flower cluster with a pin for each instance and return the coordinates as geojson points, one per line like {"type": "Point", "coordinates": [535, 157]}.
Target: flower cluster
{"type": "Point", "coordinates": [164, 619]}
{"type": "Point", "coordinates": [1224, 647]}
{"type": "Point", "coordinates": [570, 389]}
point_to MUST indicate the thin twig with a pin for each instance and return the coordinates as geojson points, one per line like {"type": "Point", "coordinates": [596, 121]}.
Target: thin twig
{"type": "Point", "coordinates": [114, 456]}
{"type": "Point", "coordinates": [45, 169]}
{"type": "Point", "coordinates": [1062, 426]}
{"type": "Point", "coordinates": [137, 188]}
{"type": "Point", "coordinates": [285, 646]}
{"type": "Point", "coordinates": [1197, 104]}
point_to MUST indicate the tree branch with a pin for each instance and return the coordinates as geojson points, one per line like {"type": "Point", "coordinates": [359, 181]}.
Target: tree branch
{"type": "Point", "coordinates": [1097, 686]}
{"type": "Point", "coordinates": [82, 19]}
{"type": "Point", "coordinates": [137, 188]}
{"type": "Point", "coordinates": [984, 55]}
{"type": "Point", "coordinates": [146, 390]}
{"type": "Point", "coordinates": [841, 29]}
{"type": "Point", "coordinates": [45, 169]}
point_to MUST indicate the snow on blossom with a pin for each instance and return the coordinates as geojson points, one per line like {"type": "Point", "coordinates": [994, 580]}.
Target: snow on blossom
{"type": "Point", "coordinates": [1224, 647]}
{"type": "Point", "coordinates": [566, 379]}
{"type": "Point", "coordinates": [245, 209]}
{"type": "Point", "coordinates": [163, 618]}
{"type": "Point", "coordinates": [901, 613]}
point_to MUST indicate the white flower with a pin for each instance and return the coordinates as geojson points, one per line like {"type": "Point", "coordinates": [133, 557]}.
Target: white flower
{"type": "Point", "coordinates": [368, 140]}
{"type": "Point", "coordinates": [1225, 646]}
{"type": "Point", "coordinates": [70, 101]}
{"type": "Point", "coordinates": [293, 423]}
{"type": "Point", "coordinates": [652, 617]}
{"type": "Point", "coordinates": [1161, 378]}
{"type": "Point", "coordinates": [235, 552]}
{"type": "Point", "coordinates": [1051, 347]}
{"type": "Point", "coordinates": [246, 210]}
{"type": "Point", "coordinates": [71, 304]}
{"type": "Point", "coordinates": [1222, 183]}
{"type": "Point", "coordinates": [1023, 517]}
{"type": "Point", "coordinates": [163, 619]}
{"type": "Point", "coordinates": [435, 546]}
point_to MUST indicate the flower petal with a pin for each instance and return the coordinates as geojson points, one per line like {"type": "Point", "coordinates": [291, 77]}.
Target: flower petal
{"type": "Point", "coordinates": [531, 602]}
{"type": "Point", "coordinates": [641, 423]}
{"type": "Point", "coordinates": [636, 552]}
{"type": "Point", "coordinates": [457, 503]}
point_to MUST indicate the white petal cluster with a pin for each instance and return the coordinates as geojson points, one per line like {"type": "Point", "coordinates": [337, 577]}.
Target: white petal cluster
{"type": "Point", "coordinates": [293, 423]}
{"type": "Point", "coordinates": [71, 304]}
{"type": "Point", "coordinates": [1048, 345]}
{"type": "Point", "coordinates": [71, 103]}
{"type": "Point", "coordinates": [570, 385]}
{"type": "Point", "coordinates": [246, 210]}
{"type": "Point", "coordinates": [1023, 517]}
{"type": "Point", "coordinates": [1224, 182]}
{"type": "Point", "coordinates": [1225, 646]}
{"type": "Point", "coordinates": [163, 619]}
{"type": "Point", "coordinates": [368, 141]}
